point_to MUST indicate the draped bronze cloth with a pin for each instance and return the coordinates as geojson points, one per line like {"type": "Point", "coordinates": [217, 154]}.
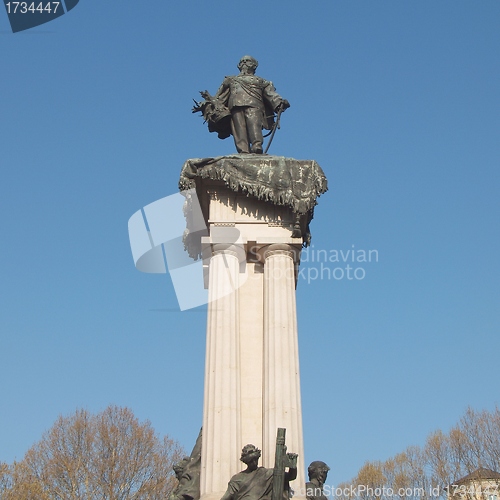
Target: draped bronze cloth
{"type": "Point", "coordinates": [275, 179]}
{"type": "Point", "coordinates": [279, 180]}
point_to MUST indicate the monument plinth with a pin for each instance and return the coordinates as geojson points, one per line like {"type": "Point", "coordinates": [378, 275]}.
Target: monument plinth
{"type": "Point", "coordinates": [257, 210]}
{"type": "Point", "coordinates": [248, 218]}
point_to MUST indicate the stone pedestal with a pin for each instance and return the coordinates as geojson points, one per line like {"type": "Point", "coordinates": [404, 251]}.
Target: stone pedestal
{"type": "Point", "coordinates": [252, 207]}
{"type": "Point", "coordinates": [252, 383]}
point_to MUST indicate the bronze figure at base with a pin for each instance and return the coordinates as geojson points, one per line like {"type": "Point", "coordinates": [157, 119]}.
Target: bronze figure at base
{"type": "Point", "coordinates": [317, 473]}
{"type": "Point", "coordinates": [256, 483]}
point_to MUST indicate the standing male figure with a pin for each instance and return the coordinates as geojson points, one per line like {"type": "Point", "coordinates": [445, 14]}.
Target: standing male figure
{"type": "Point", "coordinates": [256, 483]}
{"type": "Point", "coordinates": [317, 473]}
{"type": "Point", "coordinates": [250, 102]}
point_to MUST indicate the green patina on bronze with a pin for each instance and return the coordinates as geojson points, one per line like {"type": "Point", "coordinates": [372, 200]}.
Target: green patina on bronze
{"type": "Point", "coordinates": [275, 179]}
{"type": "Point", "coordinates": [279, 180]}
{"type": "Point", "coordinates": [187, 472]}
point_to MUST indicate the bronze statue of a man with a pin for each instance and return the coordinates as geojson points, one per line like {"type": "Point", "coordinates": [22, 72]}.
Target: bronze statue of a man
{"type": "Point", "coordinates": [243, 106]}
{"type": "Point", "coordinates": [256, 483]}
{"type": "Point", "coordinates": [317, 473]}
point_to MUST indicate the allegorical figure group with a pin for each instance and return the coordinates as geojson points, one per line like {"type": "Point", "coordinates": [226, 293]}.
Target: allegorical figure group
{"type": "Point", "coordinates": [255, 483]}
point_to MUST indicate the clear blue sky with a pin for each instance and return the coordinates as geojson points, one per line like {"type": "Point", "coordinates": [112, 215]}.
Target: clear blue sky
{"type": "Point", "coordinates": [397, 100]}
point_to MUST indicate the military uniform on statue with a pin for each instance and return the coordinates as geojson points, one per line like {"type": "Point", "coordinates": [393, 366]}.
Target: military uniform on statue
{"type": "Point", "coordinates": [251, 102]}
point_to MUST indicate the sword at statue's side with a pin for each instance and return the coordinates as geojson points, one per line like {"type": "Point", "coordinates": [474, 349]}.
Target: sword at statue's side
{"type": "Point", "coordinates": [276, 125]}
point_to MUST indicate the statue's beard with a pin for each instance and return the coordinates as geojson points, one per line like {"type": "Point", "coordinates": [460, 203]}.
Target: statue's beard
{"type": "Point", "coordinates": [247, 69]}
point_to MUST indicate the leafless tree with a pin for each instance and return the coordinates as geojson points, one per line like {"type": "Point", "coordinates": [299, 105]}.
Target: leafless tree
{"type": "Point", "coordinates": [426, 472]}
{"type": "Point", "coordinates": [108, 456]}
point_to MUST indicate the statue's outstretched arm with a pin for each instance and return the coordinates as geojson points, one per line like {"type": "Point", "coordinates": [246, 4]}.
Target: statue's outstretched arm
{"type": "Point", "coordinates": [273, 98]}
{"type": "Point", "coordinates": [291, 474]}
{"type": "Point", "coordinates": [292, 466]}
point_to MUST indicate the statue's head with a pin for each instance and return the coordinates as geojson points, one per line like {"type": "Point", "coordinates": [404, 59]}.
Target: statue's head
{"type": "Point", "coordinates": [250, 62]}
{"type": "Point", "coordinates": [318, 470]}
{"type": "Point", "coordinates": [180, 466]}
{"type": "Point", "coordinates": [250, 453]}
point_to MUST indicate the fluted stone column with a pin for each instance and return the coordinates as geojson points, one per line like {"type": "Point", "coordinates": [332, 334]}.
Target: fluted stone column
{"type": "Point", "coordinates": [221, 444]}
{"type": "Point", "coordinates": [282, 402]}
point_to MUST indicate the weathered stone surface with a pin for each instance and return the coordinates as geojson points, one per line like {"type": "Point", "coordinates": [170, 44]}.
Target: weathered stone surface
{"type": "Point", "coordinates": [255, 210]}
{"type": "Point", "coordinates": [252, 367]}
